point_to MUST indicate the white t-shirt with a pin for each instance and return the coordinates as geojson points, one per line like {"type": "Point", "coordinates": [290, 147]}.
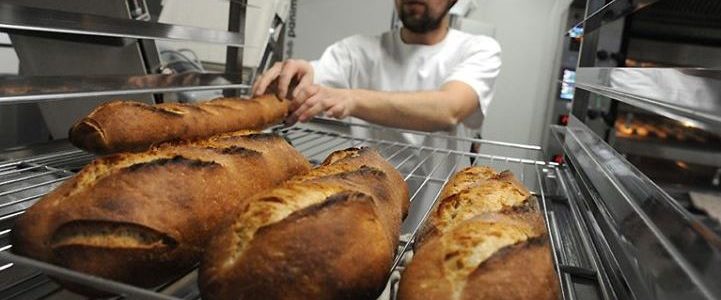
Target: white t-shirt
{"type": "Point", "coordinates": [386, 63]}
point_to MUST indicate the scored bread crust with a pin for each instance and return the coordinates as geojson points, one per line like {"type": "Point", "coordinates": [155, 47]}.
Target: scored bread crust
{"type": "Point", "coordinates": [328, 234]}
{"type": "Point", "coordinates": [140, 218]}
{"type": "Point", "coordinates": [491, 256]}
{"type": "Point", "coordinates": [128, 126]}
{"type": "Point", "coordinates": [474, 191]}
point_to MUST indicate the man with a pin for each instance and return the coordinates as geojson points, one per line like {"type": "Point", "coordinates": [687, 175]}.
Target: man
{"type": "Point", "coordinates": [424, 77]}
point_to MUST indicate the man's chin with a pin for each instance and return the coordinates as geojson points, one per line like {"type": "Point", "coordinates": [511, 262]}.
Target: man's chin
{"type": "Point", "coordinates": [418, 29]}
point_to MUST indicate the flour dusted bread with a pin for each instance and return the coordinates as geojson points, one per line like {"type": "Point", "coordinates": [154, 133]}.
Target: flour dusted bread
{"type": "Point", "coordinates": [140, 218]}
{"type": "Point", "coordinates": [485, 239]}
{"type": "Point", "coordinates": [328, 234]}
{"type": "Point", "coordinates": [490, 256]}
{"type": "Point", "coordinates": [128, 126]}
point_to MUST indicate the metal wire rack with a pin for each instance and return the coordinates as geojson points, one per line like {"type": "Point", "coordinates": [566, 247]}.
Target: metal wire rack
{"type": "Point", "coordinates": [425, 169]}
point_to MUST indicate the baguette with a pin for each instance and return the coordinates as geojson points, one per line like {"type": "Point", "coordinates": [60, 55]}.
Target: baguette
{"type": "Point", "coordinates": [491, 256]}
{"type": "Point", "coordinates": [127, 126]}
{"type": "Point", "coordinates": [473, 191]}
{"type": "Point", "coordinates": [141, 218]}
{"type": "Point", "coordinates": [328, 234]}
{"type": "Point", "coordinates": [485, 239]}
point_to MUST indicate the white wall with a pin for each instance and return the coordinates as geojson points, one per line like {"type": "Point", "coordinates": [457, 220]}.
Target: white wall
{"type": "Point", "coordinates": [530, 33]}
{"type": "Point", "coordinates": [320, 23]}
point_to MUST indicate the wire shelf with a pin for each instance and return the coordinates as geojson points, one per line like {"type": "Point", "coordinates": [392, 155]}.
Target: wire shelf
{"type": "Point", "coordinates": [425, 170]}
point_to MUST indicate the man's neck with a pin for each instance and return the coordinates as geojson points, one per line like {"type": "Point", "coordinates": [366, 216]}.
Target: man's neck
{"type": "Point", "coordinates": [428, 38]}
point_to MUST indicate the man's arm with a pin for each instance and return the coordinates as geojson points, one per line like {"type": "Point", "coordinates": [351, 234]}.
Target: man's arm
{"type": "Point", "coordinates": [435, 110]}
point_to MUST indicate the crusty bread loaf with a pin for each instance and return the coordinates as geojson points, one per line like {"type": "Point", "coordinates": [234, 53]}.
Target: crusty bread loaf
{"type": "Point", "coordinates": [473, 191]}
{"type": "Point", "coordinates": [141, 218]}
{"type": "Point", "coordinates": [490, 256]}
{"type": "Point", "coordinates": [329, 234]}
{"type": "Point", "coordinates": [127, 126]}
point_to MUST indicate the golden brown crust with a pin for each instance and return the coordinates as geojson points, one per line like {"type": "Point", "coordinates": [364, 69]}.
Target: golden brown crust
{"type": "Point", "coordinates": [329, 234]}
{"type": "Point", "coordinates": [475, 191]}
{"type": "Point", "coordinates": [466, 179]}
{"type": "Point", "coordinates": [310, 255]}
{"type": "Point", "coordinates": [487, 257]}
{"type": "Point", "coordinates": [485, 239]}
{"type": "Point", "coordinates": [128, 217]}
{"type": "Point", "coordinates": [519, 272]}
{"type": "Point", "coordinates": [121, 126]}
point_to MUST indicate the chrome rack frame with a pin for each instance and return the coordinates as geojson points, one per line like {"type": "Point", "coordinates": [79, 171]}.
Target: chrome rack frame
{"type": "Point", "coordinates": [38, 89]}
{"type": "Point", "coordinates": [541, 178]}
{"type": "Point", "coordinates": [16, 17]}
{"type": "Point", "coordinates": [646, 244]}
{"type": "Point", "coordinates": [601, 13]}
{"type": "Point", "coordinates": [676, 101]}
{"type": "Point", "coordinates": [48, 88]}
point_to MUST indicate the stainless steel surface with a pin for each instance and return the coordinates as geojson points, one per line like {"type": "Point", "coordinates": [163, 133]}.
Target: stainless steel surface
{"type": "Point", "coordinates": [423, 179]}
{"type": "Point", "coordinates": [652, 247]}
{"type": "Point", "coordinates": [669, 151]}
{"type": "Point", "coordinates": [44, 88]}
{"type": "Point", "coordinates": [672, 53]}
{"type": "Point", "coordinates": [16, 17]}
{"type": "Point", "coordinates": [610, 12]}
{"type": "Point", "coordinates": [692, 96]}
{"type": "Point", "coordinates": [53, 54]}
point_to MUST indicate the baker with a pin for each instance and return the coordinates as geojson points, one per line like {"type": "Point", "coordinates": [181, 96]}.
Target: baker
{"type": "Point", "coordinates": [423, 76]}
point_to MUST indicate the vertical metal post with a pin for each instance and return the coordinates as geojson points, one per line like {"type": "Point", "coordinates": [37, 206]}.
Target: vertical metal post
{"type": "Point", "coordinates": [274, 47]}
{"type": "Point", "coordinates": [234, 55]}
{"type": "Point", "coordinates": [586, 58]}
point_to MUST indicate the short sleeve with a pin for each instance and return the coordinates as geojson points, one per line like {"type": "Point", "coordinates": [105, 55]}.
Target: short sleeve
{"type": "Point", "coordinates": [479, 69]}
{"type": "Point", "coordinates": [334, 67]}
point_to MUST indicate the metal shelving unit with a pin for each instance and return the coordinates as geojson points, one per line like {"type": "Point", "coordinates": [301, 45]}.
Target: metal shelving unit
{"type": "Point", "coordinates": [670, 92]}
{"type": "Point", "coordinates": [43, 89]}
{"type": "Point", "coordinates": [27, 19]}
{"type": "Point", "coordinates": [649, 245]}
{"type": "Point", "coordinates": [22, 182]}
{"type": "Point", "coordinates": [615, 234]}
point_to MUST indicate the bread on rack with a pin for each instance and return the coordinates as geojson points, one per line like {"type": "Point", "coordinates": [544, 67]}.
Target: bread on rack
{"type": "Point", "coordinates": [128, 126]}
{"type": "Point", "coordinates": [141, 218]}
{"type": "Point", "coordinates": [490, 256]}
{"type": "Point", "coordinates": [485, 239]}
{"type": "Point", "coordinates": [329, 234]}
{"type": "Point", "coordinates": [473, 191]}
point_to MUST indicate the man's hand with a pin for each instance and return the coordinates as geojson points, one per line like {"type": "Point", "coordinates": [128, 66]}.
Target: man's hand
{"type": "Point", "coordinates": [284, 73]}
{"type": "Point", "coordinates": [314, 99]}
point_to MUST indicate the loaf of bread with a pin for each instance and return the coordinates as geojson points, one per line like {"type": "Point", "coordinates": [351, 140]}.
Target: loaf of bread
{"type": "Point", "coordinates": [473, 191]}
{"type": "Point", "coordinates": [490, 256]}
{"type": "Point", "coordinates": [485, 239]}
{"type": "Point", "coordinates": [141, 218]}
{"type": "Point", "coordinates": [127, 126]}
{"type": "Point", "coordinates": [329, 234]}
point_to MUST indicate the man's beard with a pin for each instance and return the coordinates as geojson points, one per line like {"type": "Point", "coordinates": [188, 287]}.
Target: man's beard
{"type": "Point", "coordinates": [424, 24]}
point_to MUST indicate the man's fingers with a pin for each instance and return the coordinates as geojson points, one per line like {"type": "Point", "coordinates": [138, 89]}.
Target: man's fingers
{"type": "Point", "coordinates": [338, 111]}
{"type": "Point", "coordinates": [256, 87]}
{"type": "Point", "coordinates": [303, 94]}
{"type": "Point", "coordinates": [306, 81]}
{"type": "Point", "coordinates": [311, 112]}
{"type": "Point", "coordinates": [289, 71]}
{"type": "Point", "coordinates": [265, 79]}
{"type": "Point", "coordinates": [307, 104]}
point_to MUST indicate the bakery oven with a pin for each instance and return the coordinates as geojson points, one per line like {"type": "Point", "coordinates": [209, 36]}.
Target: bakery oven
{"type": "Point", "coordinates": [615, 233]}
